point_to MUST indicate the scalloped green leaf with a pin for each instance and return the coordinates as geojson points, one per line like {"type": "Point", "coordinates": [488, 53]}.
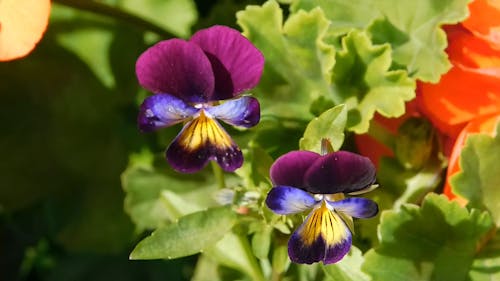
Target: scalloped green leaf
{"type": "Point", "coordinates": [347, 269]}
{"type": "Point", "coordinates": [361, 77]}
{"type": "Point", "coordinates": [329, 125]}
{"type": "Point", "coordinates": [413, 28]}
{"type": "Point", "coordinates": [190, 235]}
{"type": "Point", "coordinates": [436, 241]}
{"type": "Point", "coordinates": [423, 53]}
{"type": "Point", "coordinates": [479, 179]}
{"type": "Point", "coordinates": [344, 15]}
{"type": "Point", "coordinates": [298, 62]}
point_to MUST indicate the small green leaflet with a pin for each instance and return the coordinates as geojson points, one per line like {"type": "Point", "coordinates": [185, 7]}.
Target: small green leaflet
{"type": "Point", "coordinates": [329, 125]}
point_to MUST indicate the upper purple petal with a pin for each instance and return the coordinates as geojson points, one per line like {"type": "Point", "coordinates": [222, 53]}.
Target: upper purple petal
{"type": "Point", "coordinates": [285, 200]}
{"type": "Point", "coordinates": [243, 112]}
{"type": "Point", "coordinates": [289, 169]}
{"type": "Point", "coordinates": [176, 67]}
{"type": "Point", "coordinates": [356, 207]}
{"type": "Point", "coordinates": [162, 110]}
{"type": "Point", "coordinates": [237, 64]}
{"type": "Point", "coordinates": [339, 172]}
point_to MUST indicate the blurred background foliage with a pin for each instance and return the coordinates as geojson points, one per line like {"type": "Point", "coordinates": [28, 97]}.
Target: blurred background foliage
{"type": "Point", "coordinates": [68, 112]}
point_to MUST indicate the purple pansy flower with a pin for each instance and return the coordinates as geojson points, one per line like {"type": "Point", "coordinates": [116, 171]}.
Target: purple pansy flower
{"type": "Point", "coordinates": [197, 82]}
{"type": "Point", "coordinates": [305, 180]}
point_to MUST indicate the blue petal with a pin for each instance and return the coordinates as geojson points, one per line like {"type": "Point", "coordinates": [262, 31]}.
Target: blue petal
{"type": "Point", "coordinates": [322, 237]}
{"type": "Point", "coordinates": [242, 112]}
{"type": "Point", "coordinates": [201, 140]}
{"type": "Point", "coordinates": [356, 207]}
{"type": "Point", "coordinates": [163, 110]}
{"type": "Point", "coordinates": [286, 200]}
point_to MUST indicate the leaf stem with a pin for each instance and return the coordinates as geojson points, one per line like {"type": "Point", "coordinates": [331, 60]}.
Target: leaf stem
{"type": "Point", "coordinates": [218, 174]}
{"type": "Point", "coordinates": [257, 274]}
{"type": "Point", "coordinates": [113, 12]}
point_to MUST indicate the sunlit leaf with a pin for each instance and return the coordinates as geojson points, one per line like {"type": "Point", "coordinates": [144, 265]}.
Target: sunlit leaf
{"type": "Point", "coordinates": [413, 29]}
{"type": "Point", "coordinates": [436, 241]}
{"type": "Point", "coordinates": [422, 54]}
{"type": "Point", "coordinates": [345, 15]}
{"type": "Point", "coordinates": [329, 125]}
{"type": "Point", "coordinates": [190, 235]}
{"type": "Point", "coordinates": [361, 77]}
{"type": "Point", "coordinates": [479, 179]}
{"type": "Point", "coordinates": [298, 62]}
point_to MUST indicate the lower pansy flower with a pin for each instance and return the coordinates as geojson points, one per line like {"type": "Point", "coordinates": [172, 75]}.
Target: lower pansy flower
{"type": "Point", "coordinates": [197, 82]}
{"type": "Point", "coordinates": [305, 180]}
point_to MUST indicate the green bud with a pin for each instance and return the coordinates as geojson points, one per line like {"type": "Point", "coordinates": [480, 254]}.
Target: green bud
{"type": "Point", "coordinates": [414, 142]}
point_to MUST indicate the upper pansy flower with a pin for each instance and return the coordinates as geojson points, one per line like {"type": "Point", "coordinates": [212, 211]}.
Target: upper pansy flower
{"type": "Point", "coordinates": [197, 81]}
{"type": "Point", "coordinates": [305, 180]}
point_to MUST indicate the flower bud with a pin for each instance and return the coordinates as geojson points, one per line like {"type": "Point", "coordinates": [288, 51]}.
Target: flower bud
{"type": "Point", "coordinates": [414, 142]}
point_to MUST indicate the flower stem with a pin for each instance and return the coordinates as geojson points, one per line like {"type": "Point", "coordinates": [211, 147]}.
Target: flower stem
{"type": "Point", "coordinates": [218, 174]}
{"type": "Point", "coordinates": [110, 11]}
{"type": "Point", "coordinates": [256, 270]}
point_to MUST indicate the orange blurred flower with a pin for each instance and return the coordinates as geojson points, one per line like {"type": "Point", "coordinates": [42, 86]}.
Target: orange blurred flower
{"type": "Point", "coordinates": [22, 24]}
{"type": "Point", "coordinates": [467, 98]}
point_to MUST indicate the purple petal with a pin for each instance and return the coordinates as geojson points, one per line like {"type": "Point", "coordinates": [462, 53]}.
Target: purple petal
{"type": "Point", "coordinates": [322, 237]}
{"type": "Point", "coordinates": [176, 67]}
{"type": "Point", "coordinates": [285, 200]}
{"type": "Point", "coordinates": [201, 140]}
{"type": "Point", "coordinates": [289, 169]}
{"type": "Point", "coordinates": [356, 207]}
{"type": "Point", "coordinates": [162, 110]}
{"type": "Point", "coordinates": [236, 63]}
{"type": "Point", "coordinates": [243, 112]}
{"type": "Point", "coordinates": [340, 171]}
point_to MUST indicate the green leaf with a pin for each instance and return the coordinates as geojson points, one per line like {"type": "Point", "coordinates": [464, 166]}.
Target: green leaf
{"type": "Point", "coordinates": [344, 15]}
{"type": "Point", "coordinates": [487, 263]}
{"type": "Point", "coordinates": [261, 241]}
{"type": "Point", "coordinates": [298, 62]}
{"type": "Point", "coordinates": [436, 241]}
{"type": "Point", "coordinates": [479, 179]}
{"type": "Point", "coordinates": [231, 252]}
{"type": "Point", "coordinates": [412, 28]}
{"type": "Point", "coordinates": [348, 269]}
{"type": "Point", "coordinates": [280, 259]}
{"type": "Point", "coordinates": [190, 235]}
{"type": "Point", "coordinates": [156, 196]}
{"type": "Point", "coordinates": [329, 125]}
{"type": "Point", "coordinates": [361, 77]}
{"type": "Point", "coordinates": [421, 49]}
{"type": "Point", "coordinates": [176, 16]}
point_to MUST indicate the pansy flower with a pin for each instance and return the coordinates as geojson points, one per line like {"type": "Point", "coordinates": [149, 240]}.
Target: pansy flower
{"type": "Point", "coordinates": [197, 82]}
{"type": "Point", "coordinates": [305, 180]}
